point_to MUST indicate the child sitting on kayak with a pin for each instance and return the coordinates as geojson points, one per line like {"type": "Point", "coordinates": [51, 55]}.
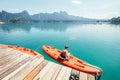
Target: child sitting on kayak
{"type": "Point", "coordinates": [64, 54]}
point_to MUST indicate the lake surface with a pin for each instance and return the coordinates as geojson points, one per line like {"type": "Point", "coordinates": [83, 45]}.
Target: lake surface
{"type": "Point", "coordinates": [97, 44]}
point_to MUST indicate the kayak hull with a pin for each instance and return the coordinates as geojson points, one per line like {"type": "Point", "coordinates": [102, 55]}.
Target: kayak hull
{"type": "Point", "coordinates": [25, 50]}
{"type": "Point", "coordinates": [73, 62]}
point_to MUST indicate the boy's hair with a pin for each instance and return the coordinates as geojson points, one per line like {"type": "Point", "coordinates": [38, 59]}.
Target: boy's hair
{"type": "Point", "coordinates": [66, 46]}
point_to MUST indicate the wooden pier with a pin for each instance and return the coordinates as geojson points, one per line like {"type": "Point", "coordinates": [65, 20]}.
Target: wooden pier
{"type": "Point", "coordinates": [16, 65]}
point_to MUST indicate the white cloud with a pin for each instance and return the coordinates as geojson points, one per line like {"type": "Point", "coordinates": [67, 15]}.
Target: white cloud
{"type": "Point", "coordinates": [76, 1]}
{"type": "Point", "coordinates": [13, 10]}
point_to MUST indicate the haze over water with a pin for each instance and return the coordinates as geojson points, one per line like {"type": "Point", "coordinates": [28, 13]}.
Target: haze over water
{"type": "Point", "coordinates": [97, 44]}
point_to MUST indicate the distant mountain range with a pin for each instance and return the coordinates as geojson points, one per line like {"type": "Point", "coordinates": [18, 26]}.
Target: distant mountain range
{"type": "Point", "coordinates": [24, 16]}
{"type": "Point", "coordinates": [56, 16]}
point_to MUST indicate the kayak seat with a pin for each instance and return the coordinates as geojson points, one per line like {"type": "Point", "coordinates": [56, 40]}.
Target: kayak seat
{"type": "Point", "coordinates": [63, 58]}
{"type": "Point", "coordinates": [60, 57]}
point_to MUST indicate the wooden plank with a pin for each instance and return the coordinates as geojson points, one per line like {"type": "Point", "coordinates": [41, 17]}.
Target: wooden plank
{"type": "Point", "coordinates": [7, 56]}
{"type": "Point", "coordinates": [83, 76]}
{"type": "Point", "coordinates": [16, 71]}
{"type": "Point", "coordinates": [2, 46]}
{"type": "Point", "coordinates": [64, 74]}
{"type": "Point", "coordinates": [13, 68]}
{"type": "Point", "coordinates": [43, 71]}
{"type": "Point", "coordinates": [7, 52]}
{"type": "Point", "coordinates": [75, 72]}
{"type": "Point", "coordinates": [56, 72]}
{"type": "Point", "coordinates": [61, 74]}
{"type": "Point", "coordinates": [50, 73]}
{"type": "Point", "coordinates": [24, 72]}
{"type": "Point", "coordinates": [4, 53]}
{"type": "Point", "coordinates": [67, 74]}
{"type": "Point", "coordinates": [91, 77]}
{"type": "Point", "coordinates": [8, 59]}
{"type": "Point", "coordinates": [36, 70]}
{"type": "Point", "coordinates": [12, 64]}
{"type": "Point", "coordinates": [7, 62]}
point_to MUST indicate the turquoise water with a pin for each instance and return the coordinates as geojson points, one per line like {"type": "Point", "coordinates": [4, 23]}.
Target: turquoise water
{"type": "Point", "coordinates": [98, 44]}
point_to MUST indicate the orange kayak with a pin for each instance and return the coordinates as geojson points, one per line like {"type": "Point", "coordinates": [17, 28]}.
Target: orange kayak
{"type": "Point", "coordinates": [73, 62]}
{"type": "Point", "coordinates": [25, 50]}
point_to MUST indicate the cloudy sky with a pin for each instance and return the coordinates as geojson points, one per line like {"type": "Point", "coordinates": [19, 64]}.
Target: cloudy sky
{"type": "Point", "coordinates": [86, 8]}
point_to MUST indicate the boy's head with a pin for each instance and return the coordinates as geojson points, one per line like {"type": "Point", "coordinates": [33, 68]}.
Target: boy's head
{"type": "Point", "coordinates": [66, 47]}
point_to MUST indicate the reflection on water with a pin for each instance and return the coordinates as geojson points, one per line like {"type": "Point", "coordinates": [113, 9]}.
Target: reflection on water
{"type": "Point", "coordinates": [41, 26]}
{"type": "Point", "coordinates": [15, 27]}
